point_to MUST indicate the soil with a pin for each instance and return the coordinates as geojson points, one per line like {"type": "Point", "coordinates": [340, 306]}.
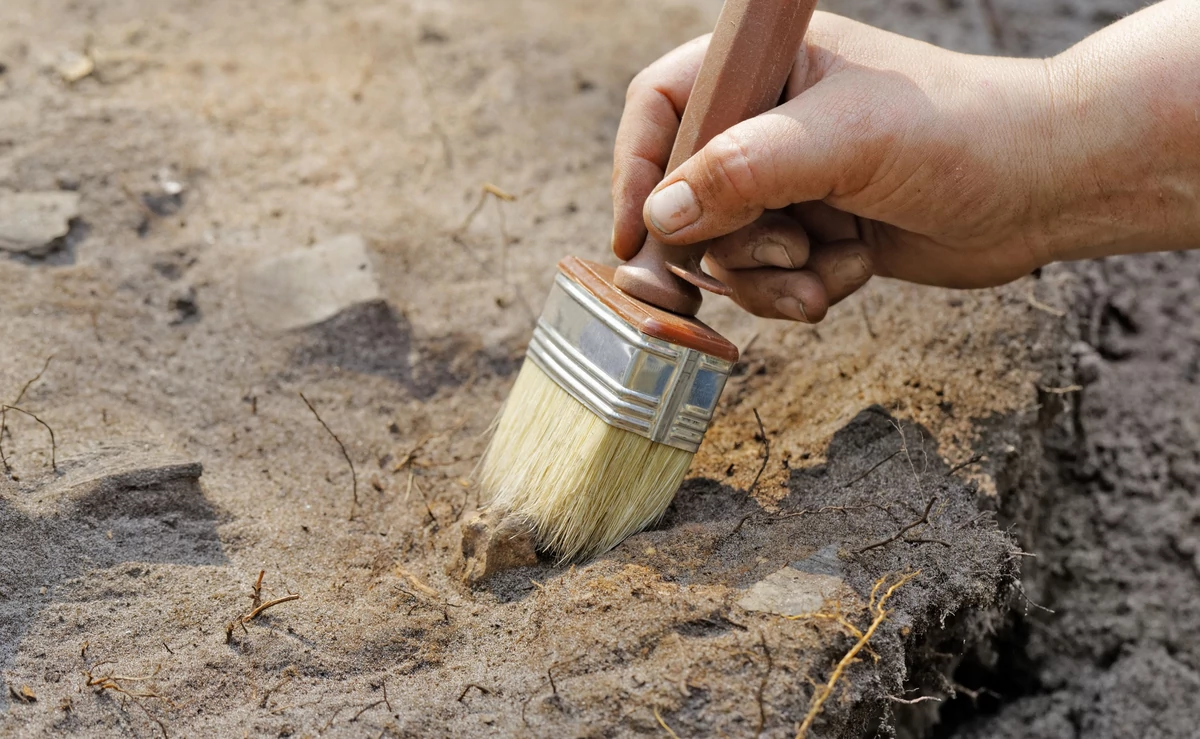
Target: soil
{"type": "Point", "coordinates": [1118, 553]}
{"type": "Point", "coordinates": [210, 138]}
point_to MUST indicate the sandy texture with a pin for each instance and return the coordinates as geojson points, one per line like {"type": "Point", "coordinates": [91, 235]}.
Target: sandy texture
{"type": "Point", "coordinates": [207, 140]}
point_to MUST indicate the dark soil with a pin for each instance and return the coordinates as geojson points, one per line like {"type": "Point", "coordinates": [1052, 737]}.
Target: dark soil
{"type": "Point", "coordinates": [1118, 537]}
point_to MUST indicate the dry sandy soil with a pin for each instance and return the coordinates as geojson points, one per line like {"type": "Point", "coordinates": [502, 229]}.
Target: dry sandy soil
{"type": "Point", "coordinates": [1049, 429]}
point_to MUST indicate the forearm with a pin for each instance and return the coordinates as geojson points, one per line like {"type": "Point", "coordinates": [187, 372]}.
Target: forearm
{"type": "Point", "coordinates": [1124, 147]}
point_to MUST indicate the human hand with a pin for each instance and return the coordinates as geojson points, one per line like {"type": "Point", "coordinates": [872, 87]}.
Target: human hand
{"type": "Point", "coordinates": [889, 157]}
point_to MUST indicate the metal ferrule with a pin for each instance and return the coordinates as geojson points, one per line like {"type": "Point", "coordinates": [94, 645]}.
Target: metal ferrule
{"type": "Point", "coordinates": [635, 382]}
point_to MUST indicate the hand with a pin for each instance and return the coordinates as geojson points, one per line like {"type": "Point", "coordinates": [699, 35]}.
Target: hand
{"type": "Point", "coordinates": [896, 158]}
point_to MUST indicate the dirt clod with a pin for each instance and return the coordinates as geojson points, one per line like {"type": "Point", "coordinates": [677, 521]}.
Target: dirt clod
{"type": "Point", "coordinates": [493, 543]}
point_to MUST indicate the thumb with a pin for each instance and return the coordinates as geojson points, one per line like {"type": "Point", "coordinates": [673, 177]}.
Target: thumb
{"type": "Point", "coordinates": [787, 155]}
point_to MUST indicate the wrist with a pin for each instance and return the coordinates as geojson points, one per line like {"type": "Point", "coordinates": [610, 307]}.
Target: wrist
{"type": "Point", "coordinates": [1122, 145]}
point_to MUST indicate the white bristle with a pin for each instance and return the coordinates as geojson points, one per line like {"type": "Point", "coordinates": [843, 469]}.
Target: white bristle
{"type": "Point", "coordinates": [583, 484]}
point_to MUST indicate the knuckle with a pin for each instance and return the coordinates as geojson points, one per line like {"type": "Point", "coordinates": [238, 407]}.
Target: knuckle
{"type": "Point", "coordinates": [733, 173]}
{"type": "Point", "coordinates": [636, 85]}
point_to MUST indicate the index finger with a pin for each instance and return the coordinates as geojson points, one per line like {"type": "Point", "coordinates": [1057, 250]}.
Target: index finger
{"type": "Point", "coordinates": [654, 105]}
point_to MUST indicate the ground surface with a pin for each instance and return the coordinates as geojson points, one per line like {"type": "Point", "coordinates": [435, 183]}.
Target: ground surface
{"type": "Point", "coordinates": [211, 137]}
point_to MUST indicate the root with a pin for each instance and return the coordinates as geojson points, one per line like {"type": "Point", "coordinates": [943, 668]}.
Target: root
{"type": "Point", "coordinates": [762, 686]}
{"type": "Point", "coordinates": [1031, 298]}
{"type": "Point", "coordinates": [879, 614]}
{"type": "Point", "coordinates": [972, 460]}
{"type": "Point", "coordinates": [872, 468]}
{"type": "Point", "coordinates": [257, 607]}
{"type": "Point", "coordinates": [923, 520]}
{"type": "Point", "coordinates": [113, 683]}
{"type": "Point", "coordinates": [666, 728]}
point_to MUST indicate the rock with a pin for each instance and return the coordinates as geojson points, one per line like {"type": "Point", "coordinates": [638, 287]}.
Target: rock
{"type": "Point", "coordinates": [307, 286]}
{"type": "Point", "coordinates": [30, 222]}
{"type": "Point", "coordinates": [801, 587]}
{"type": "Point", "coordinates": [74, 66]}
{"type": "Point", "coordinates": [492, 543]}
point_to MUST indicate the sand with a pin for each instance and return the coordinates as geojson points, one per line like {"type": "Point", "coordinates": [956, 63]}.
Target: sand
{"type": "Point", "coordinates": [231, 156]}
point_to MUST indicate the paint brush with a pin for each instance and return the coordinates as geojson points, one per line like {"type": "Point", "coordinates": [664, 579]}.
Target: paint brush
{"type": "Point", "coordinates": [620, 380]}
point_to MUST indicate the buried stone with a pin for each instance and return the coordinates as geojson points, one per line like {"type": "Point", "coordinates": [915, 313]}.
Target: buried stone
{"type": "Point", "coordinates": [31, 223]}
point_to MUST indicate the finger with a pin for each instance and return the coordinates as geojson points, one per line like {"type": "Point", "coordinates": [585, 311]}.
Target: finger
{"type": "Point", "coordinates": [774, 240]}
{"type": "Point", "coordinates": [842, 266]}
{"type": "Point", "coordinates": [654, 104]}
{"type": "Point", "coordinates": [792, 294]}
{"type": "Point", "coordinates": [824, 223]}
{"type": "Point", "coordinates": [810, 148]}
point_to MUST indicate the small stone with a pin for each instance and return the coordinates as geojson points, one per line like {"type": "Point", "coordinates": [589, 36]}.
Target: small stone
{"type": "Point", "coordinates": [491, 543]}
{"type": "Point", "coordinates": [308, 286]}
{"type": "Point", "coordinates": [30, 222]}
{"type": "Point", "coordinates": [792, 592]}
{"type": "Point", "coordinates": [74, 66]}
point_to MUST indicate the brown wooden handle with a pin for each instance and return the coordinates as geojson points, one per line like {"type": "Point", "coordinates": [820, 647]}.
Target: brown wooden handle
{"type": "Point", "coordinates": [745, 68]}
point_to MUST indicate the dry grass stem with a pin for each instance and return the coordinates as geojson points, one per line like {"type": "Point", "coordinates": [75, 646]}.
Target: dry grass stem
{"type": "Point", "coordinates": [16, 401]}
{"type": "Point", "coordinates": [53, 442]}
{"type": "Point", "coordinates": [766, 443]}
{"type": "Point", "coordinates": [467, 689]}
{"type": "Point", "coordinates": [353, 472]}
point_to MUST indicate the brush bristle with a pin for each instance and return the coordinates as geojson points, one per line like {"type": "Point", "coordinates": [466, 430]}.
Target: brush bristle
{"type": "Point", "coordinates": [583, 484]}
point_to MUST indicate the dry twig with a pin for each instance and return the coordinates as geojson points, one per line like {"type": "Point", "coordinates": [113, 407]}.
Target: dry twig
{"type": "Point", "coordinates": [353, 472]}
{"type": "Point", "coordinates": [366, 708]}
{"type": "Point", "coordinates": [288, 673]}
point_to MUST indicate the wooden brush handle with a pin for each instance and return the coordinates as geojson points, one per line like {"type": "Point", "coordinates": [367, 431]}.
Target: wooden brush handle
{"type": "Point", "coordinates": [745, 68]}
